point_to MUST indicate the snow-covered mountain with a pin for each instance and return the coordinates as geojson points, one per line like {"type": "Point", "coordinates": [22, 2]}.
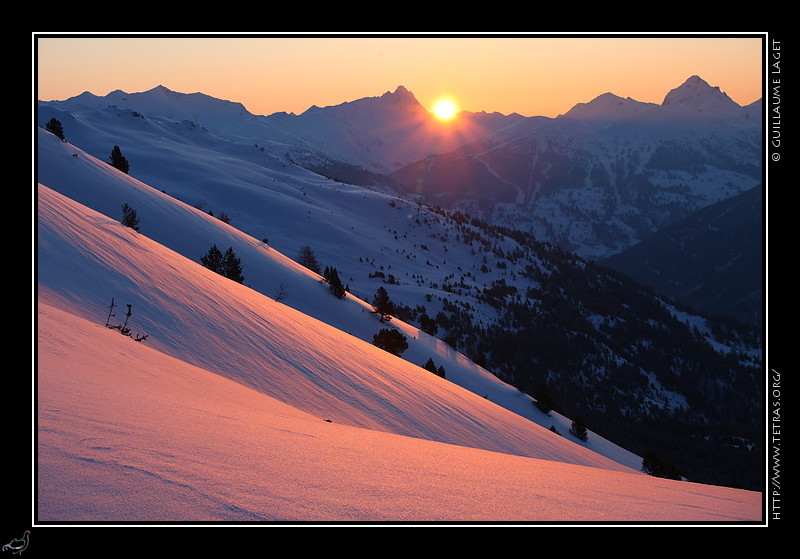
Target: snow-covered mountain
{"type": "Point", "coordinates": [610, 108]}
{"type": "Point", "coordinates": [194, 107]}
{"type": "Point", "coordinates": [606, 174]}
{"type": "Point", "coordinates": [237, 407]}
{"type": "Point", "coordinates": [594, 181]}
{"type": "Point", "coordinates": [530, 314]}
{"type": "Point", "coordinates": [696, 95]}
{"type": "Point", "coordinates": [466, 274]}
{"type": "Point", "coordinates": [377, 134]}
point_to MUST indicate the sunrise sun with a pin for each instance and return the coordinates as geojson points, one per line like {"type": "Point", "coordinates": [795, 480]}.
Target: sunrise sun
{"type": "Point", "coordinates": [445, 109]}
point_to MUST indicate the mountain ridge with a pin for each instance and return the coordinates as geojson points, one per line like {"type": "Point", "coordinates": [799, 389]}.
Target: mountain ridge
{"type": "Point", "coordinates": [608, 106]}
{"type": "Point", "coordinates": [605, 175]}
{"type": "Point", "coordinates": [696, 93]}
{"type": "Point", "coordinates": [378, 145]}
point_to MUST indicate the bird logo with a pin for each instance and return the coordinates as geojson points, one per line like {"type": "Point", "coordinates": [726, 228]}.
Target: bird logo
{"type": "Point", "coordinates": [18, 545]}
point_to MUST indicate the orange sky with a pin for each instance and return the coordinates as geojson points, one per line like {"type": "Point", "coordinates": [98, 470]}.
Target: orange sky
{"type": "Point", "coordinates": [529, 75]}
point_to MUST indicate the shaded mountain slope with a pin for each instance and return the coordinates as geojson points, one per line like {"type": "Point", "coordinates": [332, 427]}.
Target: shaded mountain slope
{"type": "Point", "coordinates": [710, 260]}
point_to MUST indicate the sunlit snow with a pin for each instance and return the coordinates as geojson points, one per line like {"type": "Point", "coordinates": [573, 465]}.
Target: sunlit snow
{"type": "Point", "coordinates": [238, 407]}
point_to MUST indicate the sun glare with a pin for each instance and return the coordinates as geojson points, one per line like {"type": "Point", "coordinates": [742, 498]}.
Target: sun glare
{"type": "Point", "coordinates": [445, 109]}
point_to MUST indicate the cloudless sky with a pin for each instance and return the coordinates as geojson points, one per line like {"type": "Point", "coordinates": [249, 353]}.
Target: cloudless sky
{"type": "Point", "coordinates": [532, 76]}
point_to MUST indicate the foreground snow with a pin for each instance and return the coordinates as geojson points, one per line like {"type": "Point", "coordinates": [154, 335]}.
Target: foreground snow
{"type": "Point", "coordinates": [280, 417]}
{"type": "Point", "coordinates": [160, 440]}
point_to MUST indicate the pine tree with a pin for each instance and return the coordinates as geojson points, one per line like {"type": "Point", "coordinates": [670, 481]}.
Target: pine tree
{"type": "Point", "coordinates": [232, 266]}
{"type": "Point", "coordinates": [228, 265]}
{"type": "Point", "coordinates": [118, 160]}
{"type": "Point", "coordinates": [335, 284]}
{"type": "Point", "coordinates": [383, 305]}
{"type": "Point", "coordinates": [54, 127]}
{"type": "Point", "coordinates": [129, 217]}
{"type": "Point", "coordinates": [390, 340]}
{"type": "Point", "coordinates": [654, 466]}
{"type": "Point", "coordinates": [428, 325]}
{"type": "Point", "coordinates": [578, 428]}
{"type": "Point", "coordinates": [651, 464]}
{"type": "Point", "coordinates": [308, 259]}
{"type": "Point", "coordinates": [431, 366]}
{"type": "Point", "coordinates": [212, 259]}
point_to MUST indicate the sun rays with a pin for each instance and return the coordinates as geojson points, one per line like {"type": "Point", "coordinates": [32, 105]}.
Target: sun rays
{"type": "Point", "coordinates": [445, 108]}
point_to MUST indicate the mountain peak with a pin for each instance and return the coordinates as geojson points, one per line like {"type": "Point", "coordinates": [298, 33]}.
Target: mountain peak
{"type": "Point", "coordinates": [696, 93]}
{"type": "Point", "coordinates": [162, 89]}
{"type": "Point", "coordinates": [401, 95]}
{"type": "Point", "coordinates": [607, 106]}
{"type": "Point", "coordinates": [165, 92]}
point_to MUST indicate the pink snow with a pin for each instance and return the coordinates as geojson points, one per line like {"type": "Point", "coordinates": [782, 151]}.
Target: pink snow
{"type": "Point", "coordinates": [239, 408]}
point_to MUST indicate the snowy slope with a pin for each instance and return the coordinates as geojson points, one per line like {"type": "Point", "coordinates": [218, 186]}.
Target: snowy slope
{"type": "Point", "coordinates": [162, 441]}
{"type": "Point", "coordinates": [190, 232]}
{"type": "Point", "coordinates": [166, 220]}
{"type": "Point", "coordinates": [222, 412]}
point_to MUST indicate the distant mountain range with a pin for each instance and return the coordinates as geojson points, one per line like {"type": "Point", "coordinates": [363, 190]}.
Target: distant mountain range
{"type": "Point", "coordinates": [377, 134]}
{"type": "Point", "coordinates": [606, 174]}
{"type": "Point", "coordinates": [595, 180]}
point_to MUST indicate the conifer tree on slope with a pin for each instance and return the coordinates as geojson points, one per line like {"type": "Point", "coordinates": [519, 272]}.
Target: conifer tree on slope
{"type": "Point", "coordinates": [383, 305]}
{"type": "Point", "coordinates": [118, 160]}
{"type": "Point", "coordinates": [335, 283]}
{"type": "Point", "coordinates": [308, 259]}
{"type": "Point", "coordinates": [54, 127]}
{"type": "Point", "coordinates": [212, 259]}
{"type": "Point", "coordinates": [228, 264]}
{"type": "Point", "coordinates": [232, 266]}
{"type": "Point", "coordinates": [389, 339]}
{"type": "Point", "coordinates": [129, 217]}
